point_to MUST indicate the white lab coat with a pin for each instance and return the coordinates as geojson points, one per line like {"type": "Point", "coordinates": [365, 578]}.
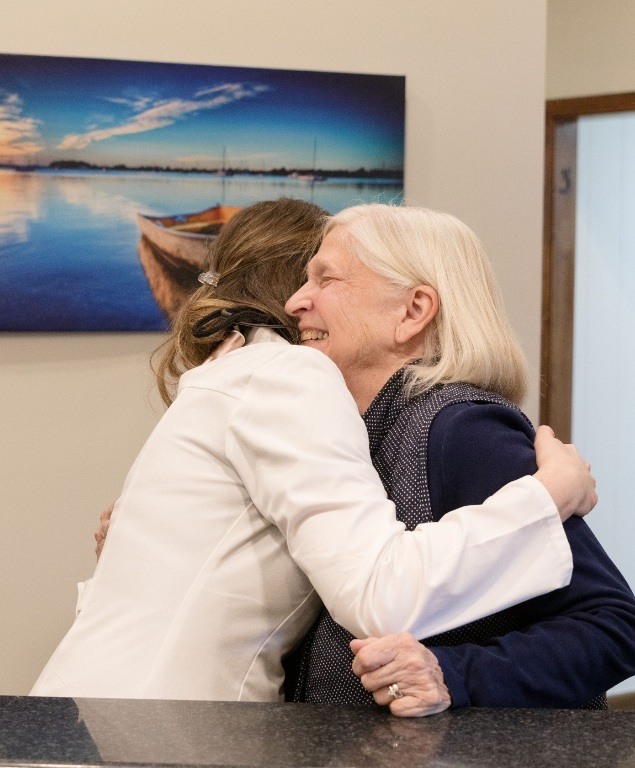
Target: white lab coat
{"type": "Point", "coordinates": [253, 500]}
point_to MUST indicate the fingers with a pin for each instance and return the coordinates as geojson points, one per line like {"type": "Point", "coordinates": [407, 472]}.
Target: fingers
{"type": "Point", "coordinates": [412, 706]}
{"type": "Point", "coordinates": [401, 660]}
{"type": "Point", "coordinates": [104, 517]}
{"type": "Point", "coordinates": [418, 699]}
{"type": "Point", "coordinates": [102, 529]}
{"type": "Point", "coordinates": [376, 653]}
{"type": "Point", "coordinates": [383, 677]}
{"type": "Point", "coordinates": [357, 644]}
{"type": "Point", "coordinates": [383, 697]}
{"type": "Point", "coordinates": [413, 674]}
{"type": "Point", "coordinates": [547, 444]}
{"type": "Point", "coordinates": [100, 539]}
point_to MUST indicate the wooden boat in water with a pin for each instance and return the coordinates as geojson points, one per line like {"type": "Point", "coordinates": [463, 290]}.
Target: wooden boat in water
{"type": "Point", "coordinates": [185, 238]}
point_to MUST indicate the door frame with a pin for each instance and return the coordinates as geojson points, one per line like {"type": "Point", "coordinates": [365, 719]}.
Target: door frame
{"type": "Point", "coordinates": [556, 365]}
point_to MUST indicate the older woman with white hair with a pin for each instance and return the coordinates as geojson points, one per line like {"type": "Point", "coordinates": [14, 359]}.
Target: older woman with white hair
{"type": "Point", "coordinates": [405, 302]}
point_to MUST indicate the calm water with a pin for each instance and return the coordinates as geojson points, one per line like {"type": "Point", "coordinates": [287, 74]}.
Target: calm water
{"type": "Point", "coordinates": [68, 241]}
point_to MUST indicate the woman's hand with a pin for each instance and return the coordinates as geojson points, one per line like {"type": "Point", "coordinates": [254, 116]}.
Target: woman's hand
{"type": "Point", "coordinates": [400, 660]}
{"type": "Point", "coordinates": [565, 474]}
{"type": "Point", "coordinates": [102, 530]}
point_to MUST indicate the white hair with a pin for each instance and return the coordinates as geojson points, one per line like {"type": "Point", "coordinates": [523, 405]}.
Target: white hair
{"type": "Point", "coordinates": [470, 339]}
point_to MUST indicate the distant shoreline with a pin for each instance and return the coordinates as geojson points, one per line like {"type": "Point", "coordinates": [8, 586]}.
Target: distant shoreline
{"type": "Point", "coordinates": [319, 174]}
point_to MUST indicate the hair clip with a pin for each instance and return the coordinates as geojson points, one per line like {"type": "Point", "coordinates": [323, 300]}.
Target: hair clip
{"type": "Point", "coordinates": [210, 278]}
{"type": "Point", "coordinates": [223, 320]}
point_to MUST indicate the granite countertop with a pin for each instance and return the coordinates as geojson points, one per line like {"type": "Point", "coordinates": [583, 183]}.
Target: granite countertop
{"type": "Point", "coordinates": [100, 732]}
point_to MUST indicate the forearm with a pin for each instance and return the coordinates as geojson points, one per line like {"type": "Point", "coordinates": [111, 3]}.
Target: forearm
{"type": "Point", "coordinates": [568, 646]}
{"type": "Point", "coordinates": [323, 494]}
{"type": "Point", "coordinates": [565, 665]}
{"type": "Point", "coordinates": [447, 574]}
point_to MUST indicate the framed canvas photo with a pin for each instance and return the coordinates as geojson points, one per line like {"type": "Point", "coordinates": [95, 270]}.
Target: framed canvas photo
{"type": "Point", "coordinates": [116, 175]}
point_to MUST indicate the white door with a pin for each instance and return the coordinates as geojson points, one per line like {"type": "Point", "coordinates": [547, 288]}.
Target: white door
{"type": "Point", "coordinates": [603, 398]}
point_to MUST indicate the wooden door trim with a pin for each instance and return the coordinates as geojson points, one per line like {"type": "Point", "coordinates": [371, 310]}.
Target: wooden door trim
{"type": "Point", "coordinates": [559, 250]}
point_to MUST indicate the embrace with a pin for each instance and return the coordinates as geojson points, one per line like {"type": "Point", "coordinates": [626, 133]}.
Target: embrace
{"type": "Point", "coordinates": [266, 523]}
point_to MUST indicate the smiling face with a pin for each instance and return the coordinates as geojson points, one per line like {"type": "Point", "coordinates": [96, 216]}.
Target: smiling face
{"type": "Point", "coordinates": [353, 316]}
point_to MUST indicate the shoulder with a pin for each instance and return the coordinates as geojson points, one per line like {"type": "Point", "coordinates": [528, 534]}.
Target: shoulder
{"type": "Point", "coordinates": [294, 369]}
{"type": "Point", "coordinates": [267, 366]}
{"type": "Point", "coordinates": [459, 425]}
{"type": "Point", "coordinates": [474, 448]}
{"type": "Point", "coordinates": [456, 416]}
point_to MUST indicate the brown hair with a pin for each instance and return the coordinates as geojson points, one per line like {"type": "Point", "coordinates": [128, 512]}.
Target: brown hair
{"type": "Point", "coordinates": [260, 256]}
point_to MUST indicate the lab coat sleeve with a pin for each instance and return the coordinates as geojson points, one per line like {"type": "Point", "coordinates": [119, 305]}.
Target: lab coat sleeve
{"type": "Point", "coordinates": [301, 449]}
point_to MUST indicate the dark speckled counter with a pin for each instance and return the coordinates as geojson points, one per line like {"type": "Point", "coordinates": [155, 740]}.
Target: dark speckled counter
{"type": "Point", "coordinates": [98, 732]}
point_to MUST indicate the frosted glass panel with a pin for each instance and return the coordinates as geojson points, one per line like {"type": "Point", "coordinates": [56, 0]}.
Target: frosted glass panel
{"type": "Point", "coordinates": [603, 404]}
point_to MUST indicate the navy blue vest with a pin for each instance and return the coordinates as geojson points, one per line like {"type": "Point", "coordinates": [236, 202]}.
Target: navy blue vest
{"type": "Point", "coordinates": [398, 430]}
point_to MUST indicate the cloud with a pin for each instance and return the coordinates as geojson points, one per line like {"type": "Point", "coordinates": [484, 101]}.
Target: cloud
{"type": "Point", "coordinates": [162, 113]}
{"type": "Point", "coordinates": [231, 87]}
{"type": "Point", "coordinates": [138, 104]}
{"type": "Point", "coordinates": [19, 135]}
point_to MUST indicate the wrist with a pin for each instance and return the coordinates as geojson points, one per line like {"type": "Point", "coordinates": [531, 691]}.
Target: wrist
{"type": "Point", "coordinates": [557, 490]}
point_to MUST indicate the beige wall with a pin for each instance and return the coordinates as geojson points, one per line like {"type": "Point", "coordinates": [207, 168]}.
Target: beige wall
{"type": "Point", "coordinates": [590, 47]}
{"type": "Point", "coordinates": [74, 408]}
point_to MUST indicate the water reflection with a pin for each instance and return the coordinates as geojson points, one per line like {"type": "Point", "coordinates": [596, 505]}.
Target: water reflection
{"type": "Point", "coordinates": [170, 281]}
{"type": "Point", "coordinates": [20, 196]}
{"type": "Point", "coordinates": [81, 192]}
{"type": "Point", "coordinates": [70, 256]}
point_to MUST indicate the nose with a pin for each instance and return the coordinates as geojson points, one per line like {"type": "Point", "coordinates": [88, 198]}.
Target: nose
{"type": "Point", "coordinates": [299, 302]}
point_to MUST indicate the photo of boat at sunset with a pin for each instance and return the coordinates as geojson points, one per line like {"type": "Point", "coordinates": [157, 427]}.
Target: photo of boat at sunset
{"type": "Point", "coordinates": [116, 175]}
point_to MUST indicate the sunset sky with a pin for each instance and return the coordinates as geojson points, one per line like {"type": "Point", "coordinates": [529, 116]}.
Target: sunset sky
{"type": "Point", "coordinates": [138, 113]}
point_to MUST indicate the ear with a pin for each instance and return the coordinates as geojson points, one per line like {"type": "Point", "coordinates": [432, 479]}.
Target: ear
{"type": "Point", "coordinates": [420, 307]}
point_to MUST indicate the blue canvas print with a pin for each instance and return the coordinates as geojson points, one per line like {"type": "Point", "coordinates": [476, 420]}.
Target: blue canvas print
{"type": "Point", "coordinates": [116, 175]}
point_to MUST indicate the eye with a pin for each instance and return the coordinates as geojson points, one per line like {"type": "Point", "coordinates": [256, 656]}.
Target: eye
{"type": "Point", "coordinates": [326, 279]}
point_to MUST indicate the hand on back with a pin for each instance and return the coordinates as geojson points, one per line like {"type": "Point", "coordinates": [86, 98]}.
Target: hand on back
{"type": "Point", "coordinates": [565, 474]}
